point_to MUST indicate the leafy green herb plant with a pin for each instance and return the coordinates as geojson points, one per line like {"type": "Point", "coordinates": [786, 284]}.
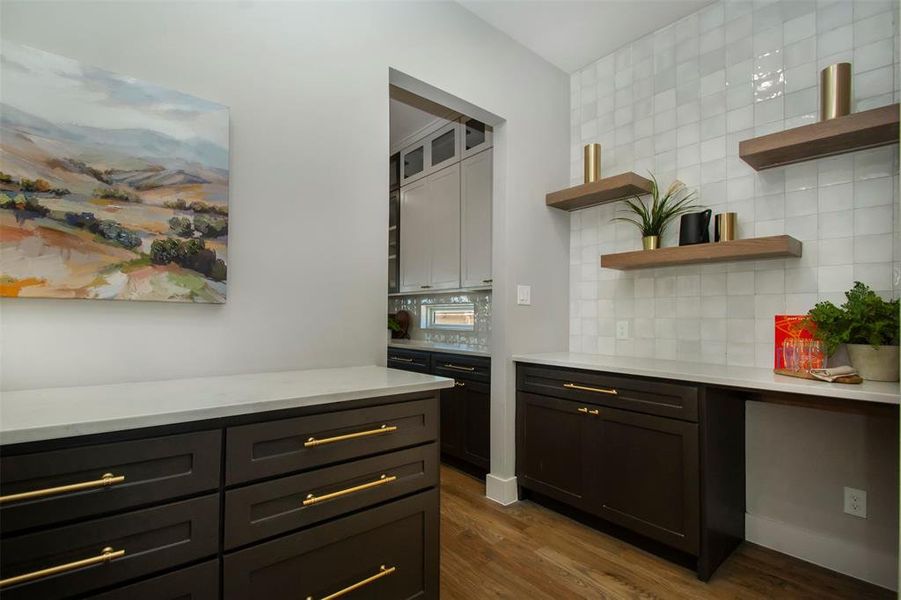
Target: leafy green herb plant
{"type": "Point", "coordinates": [653, 219]}
{"type": "Point", "coordinates": [864, 318]}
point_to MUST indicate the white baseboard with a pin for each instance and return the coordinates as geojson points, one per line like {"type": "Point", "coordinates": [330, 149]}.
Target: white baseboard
{"type": "Point", "coordinates": [501, 489]}
{"type": "Point", "coordinates": [832, 553]}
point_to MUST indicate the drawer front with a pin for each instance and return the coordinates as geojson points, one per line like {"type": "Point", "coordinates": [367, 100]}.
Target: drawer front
{"type": "Point", "coordinates": [200, 582]}
{"type": "Point", "coordinates": [675, 400]}
{"type": "Point", "coordinates": [267, 509]}
{"type": "Point", "coordinates": [144, 472]}
{"type": "Point", "coordinates": [472, 368]}
{"type": "Point", "coordinates": [408, 360]}
{"type": "Point", "coordinates": [152, 539]}
{"type": "Point", "coordinates": [276, 447]}
{"type": "Point", "coordinates": [388, 552]}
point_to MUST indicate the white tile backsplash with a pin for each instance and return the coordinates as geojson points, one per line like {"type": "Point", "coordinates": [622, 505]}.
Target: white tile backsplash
{"type": "Point", "coordinates": [678, 102]}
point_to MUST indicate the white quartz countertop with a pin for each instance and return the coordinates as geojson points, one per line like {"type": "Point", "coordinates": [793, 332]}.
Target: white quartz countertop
{"type": "Point", "coordinates": [744, 377]}
{"type": "Point", "coordinates": [50, 413]}
{"type": "Point", "coordinates": [470, 349]}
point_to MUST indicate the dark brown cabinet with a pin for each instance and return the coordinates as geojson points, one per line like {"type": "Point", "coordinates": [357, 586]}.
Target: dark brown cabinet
{"type": "Point", "coordinates": [551, 447]}
{"type": "Point", "coordinates": [465, 438]}
{"type": "Point", "coordinates": [643, 474]}
{"type": "Point", "coordinates": [250, 506]}
{"type": "Point", "coordinates": [389, 552]}
{"type": "Point", "coordinates": [638, 453]}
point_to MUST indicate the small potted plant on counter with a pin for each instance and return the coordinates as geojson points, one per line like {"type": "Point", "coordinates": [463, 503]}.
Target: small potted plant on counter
{"type": "Point", "coordinates": [868, 325]}
{"type": "Point", "coordinates": [652, 220]}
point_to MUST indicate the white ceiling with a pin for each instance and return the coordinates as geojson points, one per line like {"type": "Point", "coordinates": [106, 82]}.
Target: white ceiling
{"type": "Point", "coordinates": [573, 33]}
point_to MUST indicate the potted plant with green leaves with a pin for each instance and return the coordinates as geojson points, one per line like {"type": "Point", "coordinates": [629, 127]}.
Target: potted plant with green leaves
{"type": "Point", "coordinates": [651, 220]}
{"type": "Point", "coordinates": [869, 327]}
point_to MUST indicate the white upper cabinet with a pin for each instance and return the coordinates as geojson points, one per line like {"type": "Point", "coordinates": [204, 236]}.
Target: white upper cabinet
{"type": "Point", "coordinates": [441, 148]}
{"type": "Point", "coordinates": [476, 183]}
{"type": "Point", "coordinates": [415, 237]}
{"type": "Point", "coordinates": [413, 163]}
{"type": "Point", "coordinates": [444, 195]}
{"type": "Point", "coordinates": [430, 232]}
{"type": "Point", "coordinates": [475, 137]}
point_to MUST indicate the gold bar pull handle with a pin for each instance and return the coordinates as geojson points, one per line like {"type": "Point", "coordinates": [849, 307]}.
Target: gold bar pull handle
{"type": "Point", "coordinates": [582, 410]}
{"type": "Point", "coordinates": [312, 441]}
{"type": "Point", "coordinates": [105, 480]}
{"type": "Point", "coordinates": [585, 388]}
{"type": "Point", "coordinates": [401, 359]}
{"type": "Point", "coordinates": [313, 499]}
{"type": "Point", "coordinates": [594, 412]}
{"type": "Point", "coordinates": [106, 555]}
{"type": "Point", "coordinates": [459, 384]}
{"type": "Point", "coordinates": [458, 367]}
{"type": "Point", "coordinates": [383, 572]}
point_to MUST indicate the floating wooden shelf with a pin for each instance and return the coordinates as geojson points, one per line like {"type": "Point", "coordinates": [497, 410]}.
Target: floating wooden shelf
{"type": "Point", "coordinates": [777, 246]}
{"type": "Point", "coordinates": [602, 191]}
{"type": "Point", "coordinates": [867, 129]}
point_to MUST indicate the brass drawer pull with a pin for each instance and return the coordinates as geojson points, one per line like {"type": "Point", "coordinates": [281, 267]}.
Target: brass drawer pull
{"type": "Point", "coordinates": [573, 386]}
{"type": "Point", "coordinates": [105, 480]}
{"type": "Point", "coordinates": [459, 384]}
{"type": "Point", "coordinates": [312, 499]}
{"type": "Point", "coordinates": [582, 410]}
{"type": "Point", "coordinates": [383, 572]}
{"type": "Point", "coordinates": [458, 367]}
{"type": "Point", "coordinates": [349, 436]}
{"type": "Point", "coordinates": [106, 555]}
{"type": "Point", "coordinates": [400, 359]}
{"type": "Point", "coordinates": [594, 412]}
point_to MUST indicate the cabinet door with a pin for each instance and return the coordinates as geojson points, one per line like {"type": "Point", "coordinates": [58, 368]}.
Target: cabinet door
{"type": "Point", "coordinates": [415, 237]}
{"type": "Point", "coordinates": [476, 183]}
{"type": "Point", "coordinates": [394, 172]}
{"type": "Point", "coordinates": [413, 164]}
{"type": "Point", "coordinates": [444, 218]}
{"type": "Point", "coordinates": [550, 448]}
{"type": "Point", "coordinates": [644, 475]}
{"type": "Point", "coordinates": [476, 136]}
{"type": "Point", "coordinates": [475, 434]}
{"type": "Point", "coordinates": [451, 421]}
{"type": "Point", "coordinates": [443, 147]}
{"type": "Point", "coordinates": [393, 241]}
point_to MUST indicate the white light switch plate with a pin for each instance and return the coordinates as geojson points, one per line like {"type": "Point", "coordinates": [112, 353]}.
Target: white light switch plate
{"type": "Point", "coordinates": [524, 294]}
{"type": "Point", "coordinates": [856, 502]}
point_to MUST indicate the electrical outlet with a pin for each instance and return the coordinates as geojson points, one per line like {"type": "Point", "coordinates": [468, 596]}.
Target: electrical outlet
{"type": "Point", "coordinates": [524, 295]}
{"type": "Point", "coordinates": [856, 502]}
{"type": "Point", "coordinates": [622, 330]}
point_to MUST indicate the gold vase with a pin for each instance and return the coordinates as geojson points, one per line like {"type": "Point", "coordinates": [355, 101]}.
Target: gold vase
{"type": "Point", "coordinates": [592, 162]}
{"type": "Point", "coordinates": [650, 242]}
{"type": "Point", "coordinates": [835, 91]}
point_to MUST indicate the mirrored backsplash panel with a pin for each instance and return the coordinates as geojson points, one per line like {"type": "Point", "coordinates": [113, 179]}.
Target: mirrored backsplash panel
{"type": "Point", "coordinates": [481, 331]}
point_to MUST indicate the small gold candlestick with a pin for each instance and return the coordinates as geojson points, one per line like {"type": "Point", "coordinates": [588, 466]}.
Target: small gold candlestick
{"type": "Point", "coordinates": [835, 91]}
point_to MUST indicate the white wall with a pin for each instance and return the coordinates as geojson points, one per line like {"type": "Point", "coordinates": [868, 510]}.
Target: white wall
{"type": "Point", "coordinates": [677, 102]}
{"type": "Point", "coordinates": [307, 85]}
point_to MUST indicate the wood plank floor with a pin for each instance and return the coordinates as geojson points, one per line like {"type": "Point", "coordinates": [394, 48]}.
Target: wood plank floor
{"type": "Point", "coordinates": [527, 552]}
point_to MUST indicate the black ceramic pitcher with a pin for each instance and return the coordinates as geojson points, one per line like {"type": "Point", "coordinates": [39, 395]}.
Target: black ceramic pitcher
{"type": "Point", "coordinates": [694, 228]}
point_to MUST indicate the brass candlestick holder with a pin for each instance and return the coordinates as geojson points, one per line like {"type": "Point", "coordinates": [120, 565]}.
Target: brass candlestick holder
{"type": "Point", "coordinates": [835, 91]}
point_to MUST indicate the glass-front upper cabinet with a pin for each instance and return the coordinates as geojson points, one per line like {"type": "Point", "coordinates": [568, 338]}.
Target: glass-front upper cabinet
{"type": "Point", "coordinates": [412, 163]}
{"type": "Point", "coordinates": [444, 146]}
{"type": "Point", "coordinates": [393, 241]}
{"type": "Point", "coordinates": [476, 136]}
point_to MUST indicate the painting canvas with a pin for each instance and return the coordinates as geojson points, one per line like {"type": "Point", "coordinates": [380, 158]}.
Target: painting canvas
{"type": "Point", "coordinates": [110, 187]}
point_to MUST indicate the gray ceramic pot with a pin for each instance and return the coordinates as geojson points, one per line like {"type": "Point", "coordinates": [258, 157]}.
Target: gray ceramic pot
{"type": "Point", "coordinates": [877, 364]}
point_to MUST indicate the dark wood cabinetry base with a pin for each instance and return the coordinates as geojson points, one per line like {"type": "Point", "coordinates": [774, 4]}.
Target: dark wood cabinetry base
{"type": "Point", "coordinates": [660, 459]}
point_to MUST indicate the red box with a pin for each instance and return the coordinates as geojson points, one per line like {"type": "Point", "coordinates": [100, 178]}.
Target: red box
{"type": "Point", "coordinates": [788, 326]}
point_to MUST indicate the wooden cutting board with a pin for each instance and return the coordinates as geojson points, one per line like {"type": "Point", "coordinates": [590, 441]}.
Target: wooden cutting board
{"type": "Point", "coordinates": [806, 375]}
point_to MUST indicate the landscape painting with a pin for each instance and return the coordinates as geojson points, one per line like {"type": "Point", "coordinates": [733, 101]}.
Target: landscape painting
{"type": "Point", "coordinates": [110, 187]}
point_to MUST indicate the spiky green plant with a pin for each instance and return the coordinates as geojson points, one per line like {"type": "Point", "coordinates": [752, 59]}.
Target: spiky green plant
{"type": "Point", "coordinates": [653, 219]}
